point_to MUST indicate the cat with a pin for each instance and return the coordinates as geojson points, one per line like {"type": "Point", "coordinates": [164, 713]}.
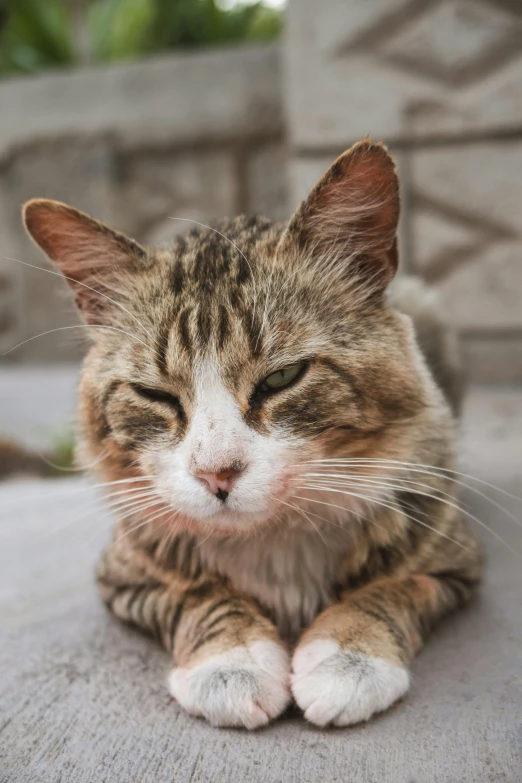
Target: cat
{"type": "Point", "coordinates": [275, 446]}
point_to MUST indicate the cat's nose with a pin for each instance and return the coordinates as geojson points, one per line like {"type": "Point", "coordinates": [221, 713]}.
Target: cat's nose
{"type": "Point", "coordinates": [220, 483]}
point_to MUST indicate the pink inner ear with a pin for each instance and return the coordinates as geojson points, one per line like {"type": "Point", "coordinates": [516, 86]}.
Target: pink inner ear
{"type": "Point", "coordinates": [77, 244]}
{"type": "Point", "coordinates": [89, 254]}
{"type": "Point", "coordinates": [349, 220]}
{"type": "Point", "coordinates": [358, 199]}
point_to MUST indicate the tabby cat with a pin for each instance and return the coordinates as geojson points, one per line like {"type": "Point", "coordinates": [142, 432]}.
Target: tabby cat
{"type": "Point", "coordinates": [277, 450]}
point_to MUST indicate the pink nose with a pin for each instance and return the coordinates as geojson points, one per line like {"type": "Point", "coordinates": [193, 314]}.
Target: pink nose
{"type": "Point", "coordinates": [220, 483]}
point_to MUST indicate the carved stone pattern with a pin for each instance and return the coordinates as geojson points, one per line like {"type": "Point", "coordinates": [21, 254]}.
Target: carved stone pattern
{"type": "Point", "coordinates": [455, 43]}
{"type": "Point", "coordinates": [465, 231]}
{"type": "Point", "coordinates": [402, 69]}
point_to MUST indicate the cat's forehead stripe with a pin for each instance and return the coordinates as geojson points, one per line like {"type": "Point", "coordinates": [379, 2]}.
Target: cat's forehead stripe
{"type": "Point", "coordinates": [211, 323]}
{"type": "Point", "coordinates": [184, 331]}
{"type": "Point", "coordinates": [178, 277]}
{"type": "Point", "coordinates": [204, 323]}
{"type": "Point", "coordinates": [223, 327]}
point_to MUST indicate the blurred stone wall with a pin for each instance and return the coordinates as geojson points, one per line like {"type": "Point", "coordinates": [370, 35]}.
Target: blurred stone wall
{"type": "Point", "coordinates": [250, 130]}
{"type": "Point", "coordinates": [441, 82]}
{"type": "Point", "coordinates": [190, 136]}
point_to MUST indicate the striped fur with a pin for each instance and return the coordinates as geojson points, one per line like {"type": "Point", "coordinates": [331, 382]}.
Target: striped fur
{"type": "Point", "coordinates": [312, 578]}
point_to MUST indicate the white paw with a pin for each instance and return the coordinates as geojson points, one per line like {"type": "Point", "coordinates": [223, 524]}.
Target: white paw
{"type": "Point", "coordinates": [337, 686]}
{"type": "Point", "coordinates": [245, 686]}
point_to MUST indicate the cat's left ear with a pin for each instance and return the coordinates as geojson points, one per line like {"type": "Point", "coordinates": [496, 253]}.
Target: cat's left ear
{"type": "Point", "coordinates": [350, 217]}
{"type": "Point", "coordinates": [91, 256]}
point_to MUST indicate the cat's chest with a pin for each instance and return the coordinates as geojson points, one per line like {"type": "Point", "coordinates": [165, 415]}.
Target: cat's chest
{"type": "Point", "coordinates": [292, 572]}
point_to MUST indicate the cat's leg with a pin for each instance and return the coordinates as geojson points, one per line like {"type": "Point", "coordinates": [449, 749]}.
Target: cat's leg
{"type": "Point", "coordinates": [353, 661]}
{"type": "Point", "coordinates": [230, 665]}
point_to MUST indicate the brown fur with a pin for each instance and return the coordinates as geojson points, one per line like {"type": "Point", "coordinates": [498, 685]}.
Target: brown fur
{"type": "Point", "coordinates": [254, 297]}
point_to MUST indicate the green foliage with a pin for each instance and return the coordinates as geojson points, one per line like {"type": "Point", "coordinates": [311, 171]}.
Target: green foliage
{"type": "Point", "coordinates": [119, 29]}
{"type": "Point", "coordinates": [38, 34]}
{"type": "Point", "coordinates": [34, 35]}
{"type": "Point", "coordinates": [61, 459]}
{"type": "Point", "coordinates": [204, 22]}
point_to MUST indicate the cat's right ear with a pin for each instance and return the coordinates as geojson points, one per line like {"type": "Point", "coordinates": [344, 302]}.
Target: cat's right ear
{"type": "Point", "coordinates": [90, 255]}
{"type": "Point", "coordinates": [348, 223]}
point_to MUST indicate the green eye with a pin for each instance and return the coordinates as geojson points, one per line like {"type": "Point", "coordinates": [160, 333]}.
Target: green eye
{"type": "Point", "coordinates": [283, 377]}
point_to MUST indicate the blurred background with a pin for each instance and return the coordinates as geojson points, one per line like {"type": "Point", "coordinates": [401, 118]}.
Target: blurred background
{"type": "Point", "coordinates": [141, 110]}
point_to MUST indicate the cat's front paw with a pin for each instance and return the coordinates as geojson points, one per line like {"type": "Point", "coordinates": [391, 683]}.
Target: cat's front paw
{"type": "Point", "coordinates": [332, 685]}
{"type": "Point", "coordinates": [244, 686]}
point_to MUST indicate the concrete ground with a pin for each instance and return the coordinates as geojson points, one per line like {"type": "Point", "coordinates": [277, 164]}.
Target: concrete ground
{"type": "Point", "coordinates": [37, 403]}
{"type": "Point", "coordinates": [83, 698]}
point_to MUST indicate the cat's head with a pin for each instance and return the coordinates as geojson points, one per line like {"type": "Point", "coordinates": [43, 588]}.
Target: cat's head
{"type": "Point", "coordinates": [222, 365]}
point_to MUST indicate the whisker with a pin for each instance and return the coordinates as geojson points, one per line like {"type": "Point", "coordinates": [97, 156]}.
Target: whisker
{"type": "Point", "coordinates": [457, 508]}
{"type": "Point", "coordinates": [66, 469]}
{"type": "Point", "coordinates": [132, 529]}
{"type": "Point", "coordinates": [394, 508]}
{"type": "Point", "coordinates": [132, 512]}
{"type": "Point", "coordinates": [341, 508]}
{"type": "Point", "coordinates": [368, 484]}
{"type": "Point", "coordinates": [93, 503]}
{"type": "Point", "coordinates": [465, 484]}
{"type": "Point", "coordinates": [76, 326]}
{"type": "Point", "coordinates": [323, 519]}
{"type": "Point", "coordinates": [205, 539]}
{"type": "Point", "coordinates": [411, 482]}
{"type": "Point", "coordinates": [67, 489]}
{"type": "Point", "coordinates": [148, 520]}
{"type": "Point", "coordinates": [107, 511]}
{"type": "Point", "coordinates": [303, 513]}
{"type": "Point", "coordinates": [77, 282]}
{"type": "Point", "coordinates": [414, 467]}
{"type": "Point", "coordinates": [122, 504]}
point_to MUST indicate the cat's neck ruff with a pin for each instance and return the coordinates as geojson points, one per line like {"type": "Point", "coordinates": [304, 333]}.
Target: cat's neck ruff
{"type": "Point", "coordinates": [289, 568]}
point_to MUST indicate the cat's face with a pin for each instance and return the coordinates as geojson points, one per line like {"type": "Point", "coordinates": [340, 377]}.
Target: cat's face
{"type": "Point", "coordinates": [223, 365]}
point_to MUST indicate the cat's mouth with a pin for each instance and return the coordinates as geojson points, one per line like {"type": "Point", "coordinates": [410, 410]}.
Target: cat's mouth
{"type": "Point", "coordinates": [243, 510]}
{"type": "Point", "coordinates": [228, 517]}
{"type": "Point", "coordinates": [225, 521]}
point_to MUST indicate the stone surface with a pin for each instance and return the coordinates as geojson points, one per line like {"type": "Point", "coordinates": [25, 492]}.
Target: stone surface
{"type": "Point", "coordinates": [466, 231]}
{"type": "Point", "coordinates": [193, 185]}
{"type": "Point", "coordinates": [38, 403]}
{"type": "Point", "coordinates": [83, 698]}
{"type": "Point", "coordinates": [492, 358]}
{"type": "Point", "coordinates": [176, 99]}
{"type": "Point", "coordinates": [402, 69]}
{"type": "Point", "coordinates": [305, 173]}
{"type": "Point", "coordinates": [267, 181]}
{"type": "Point", "coordinates": [491, 439]}
{"type": "Point", "coordinates": [11, 328]}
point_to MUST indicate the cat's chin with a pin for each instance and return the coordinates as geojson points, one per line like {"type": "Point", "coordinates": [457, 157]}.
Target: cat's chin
{"type": "Point", "coordinates": [225, 523]}
{"type": "Point", "coordinates": [233, 523]}
{"type": "Point", "coordinates": [230, 522]}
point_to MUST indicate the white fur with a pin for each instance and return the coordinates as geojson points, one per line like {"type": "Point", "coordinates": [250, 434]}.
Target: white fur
{"type": "Point", "coordinates": [337, 686]}
{"type": "Point", "coordinates": [286, 567]}
{"type": "Point", "coordinates": [245, 686]}
{"type": "Point", "coordinates": [217, 438]}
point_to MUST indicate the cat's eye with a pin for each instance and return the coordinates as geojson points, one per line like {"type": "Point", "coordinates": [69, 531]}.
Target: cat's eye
{"type": "Point", "coordinates": [283, 377]}
{"type": "Point", "coordinates": [157, 395]}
